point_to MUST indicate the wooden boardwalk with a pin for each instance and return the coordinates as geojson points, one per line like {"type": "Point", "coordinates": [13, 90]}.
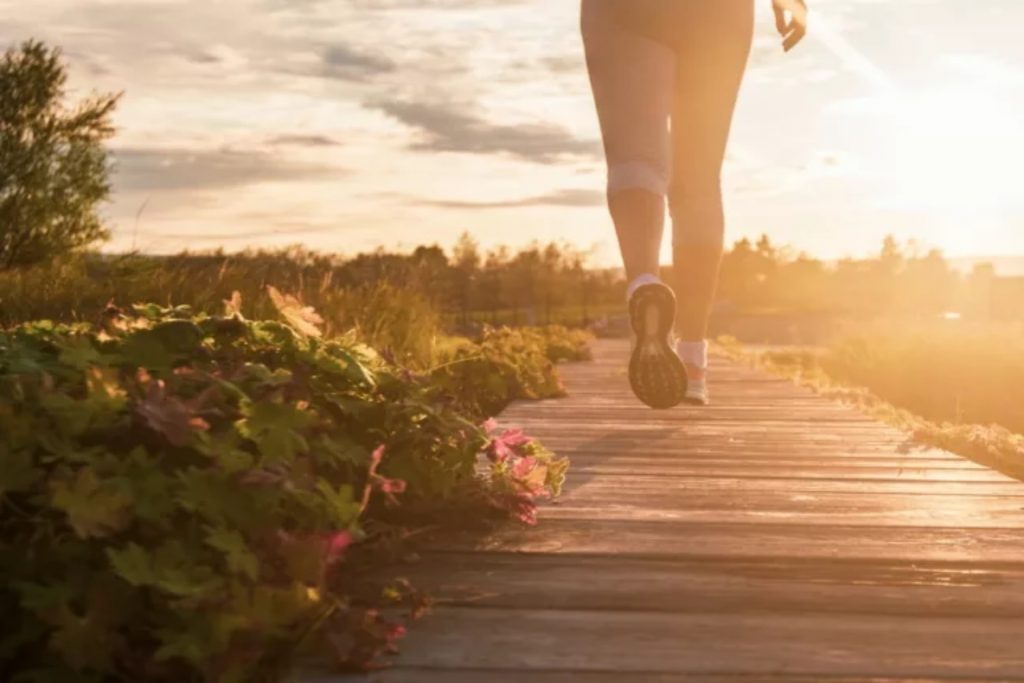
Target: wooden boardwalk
{"type": "Point", "coordinates": [773, 536]}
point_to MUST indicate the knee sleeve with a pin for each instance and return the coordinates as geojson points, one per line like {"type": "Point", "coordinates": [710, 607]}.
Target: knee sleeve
{"type": "Point", "coordinates": [637, 175]}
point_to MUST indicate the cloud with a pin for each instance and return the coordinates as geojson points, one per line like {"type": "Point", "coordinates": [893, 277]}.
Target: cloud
{"type": "Point", "coordinates": [447, 129]}
{"type": "Point", "coordinates": [567, 197]}
{"type": "Point", "coordinates": [165, 170]}
{"type": "Point", "coordinates": [300, 140]}
{"type": "Point", "coordinates": [347, 63]}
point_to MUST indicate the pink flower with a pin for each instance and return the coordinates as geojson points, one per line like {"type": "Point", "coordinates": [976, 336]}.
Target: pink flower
{"type": "Point", "coordinates": [506, 445]}
{"type": "Point", "coordinates": [523, 468]}
{"type": "Point", "coordinates": [389, 487]}
{"type": "Point", "coordinates": [337, 544]}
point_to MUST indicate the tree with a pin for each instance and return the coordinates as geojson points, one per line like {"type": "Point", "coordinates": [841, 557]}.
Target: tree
{"type": "Point", "coordinates": [54, 168]}
{"type": "Point", "coordinates": [465, 265]}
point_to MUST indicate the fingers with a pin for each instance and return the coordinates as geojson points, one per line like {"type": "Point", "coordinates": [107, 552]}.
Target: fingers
{"type": "Point", "coordinates": [794, 37]}
{"type": "Point", "coordinates": [780, 20]}
{"type": "Point", "coordinates": [793, 30]}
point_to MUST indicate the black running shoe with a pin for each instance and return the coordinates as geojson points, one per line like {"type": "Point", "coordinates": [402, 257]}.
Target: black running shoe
{"type": "Point", "coordinates": [656, 374]}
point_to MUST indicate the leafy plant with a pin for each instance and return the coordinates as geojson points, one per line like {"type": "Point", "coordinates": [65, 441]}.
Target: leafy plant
{"type": "Point", "coordinates": [180, 491]}
{"type": "Point", "coordinates": [483, 376]}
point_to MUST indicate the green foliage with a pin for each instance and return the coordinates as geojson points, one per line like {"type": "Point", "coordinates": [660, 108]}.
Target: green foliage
{"type": "Point", "coordinates": [482, 377]}
{"type": "Point", "coordinates": [179, 490]}
{"type": "Point", "coordinates": [565, 344]}
{"type": "Point", "coordinates": [53, 166]}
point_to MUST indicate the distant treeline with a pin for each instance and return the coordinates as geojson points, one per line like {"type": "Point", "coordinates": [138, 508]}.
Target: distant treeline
{"type": "Point", "coordinates": [537, 284]}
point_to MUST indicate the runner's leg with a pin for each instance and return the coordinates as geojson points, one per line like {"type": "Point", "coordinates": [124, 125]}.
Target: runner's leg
{"type": "Point", "coordinates": [632, 79]}
{"type": "Point", "coordinates": [712, 42]}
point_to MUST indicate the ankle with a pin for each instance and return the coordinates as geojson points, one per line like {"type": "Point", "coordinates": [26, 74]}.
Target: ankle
{"type": "Point", "coordinates": [639, 281]}
{"type": "Point", "coordinates": [693, 353]}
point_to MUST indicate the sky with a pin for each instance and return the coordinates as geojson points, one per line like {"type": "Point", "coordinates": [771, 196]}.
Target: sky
{"type": "Point", "coordinates": [344, 125]}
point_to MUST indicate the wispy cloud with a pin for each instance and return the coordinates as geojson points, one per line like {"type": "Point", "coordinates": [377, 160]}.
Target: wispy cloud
{"type": "Point", "coordinates": [449, 128]}
{"type": "Point", "coordinates": [567, 197]}
{"type": "Point", "coordinates": [348, 63]}
{"type": "Point", "coordinates": [301, 140]}
{"type": "Point", "coordinates": [167, 170]}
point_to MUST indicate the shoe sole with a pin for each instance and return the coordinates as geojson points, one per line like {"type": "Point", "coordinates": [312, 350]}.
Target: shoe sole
{"type": "Point", "coordinates": [656, 375]}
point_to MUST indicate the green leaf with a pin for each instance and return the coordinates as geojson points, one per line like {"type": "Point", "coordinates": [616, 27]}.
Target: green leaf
{"type": "Point", "coordinates": [342, 507]}
{"type": "Point", "coordinates": [133, 564]}
{"type": "Point", "coordinates": [239, 558]}
{"type": "Point", "coordinates": [94, 509]}
{"type": "Point", "coordinates": [169, 569]}
{"type": "Point", "coordinates": [146, 349]}
{"type": "Point", "coordinates": [275, 428]}
{"type": "Point", "coordinates": [79, 353]}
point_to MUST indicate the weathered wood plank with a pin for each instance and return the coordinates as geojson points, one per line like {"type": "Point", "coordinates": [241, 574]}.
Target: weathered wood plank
{"type": "Point", "coordinates": [747, 539]}
{"type": "Point", "coordinates": [855, 471]}
{"type": "Point", "coordinates": [760, 585]}
{"type": "Point", "coordinates": [737, 644]}
{"type": "Point", "coordinates": [779, 483]}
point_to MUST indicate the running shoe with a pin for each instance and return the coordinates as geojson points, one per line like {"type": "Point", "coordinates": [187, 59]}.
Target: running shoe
{"type": "Point", "coordinates": [656, 374]}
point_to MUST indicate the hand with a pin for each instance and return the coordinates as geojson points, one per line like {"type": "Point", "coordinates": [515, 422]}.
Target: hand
{"type": "Point", "coordinates": [793, 27]}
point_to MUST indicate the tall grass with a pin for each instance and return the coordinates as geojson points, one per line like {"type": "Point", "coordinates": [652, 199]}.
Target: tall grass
{"type": "Point", "coordinates": [398, 320]}
{"type": "Point", "coordinates": [945, 371]}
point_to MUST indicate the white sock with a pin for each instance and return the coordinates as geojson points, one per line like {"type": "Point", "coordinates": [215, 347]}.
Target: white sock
{"type": "Point", "coordinates": [693, 352]}
{"type": "Point", "coordinates": [639, 281]}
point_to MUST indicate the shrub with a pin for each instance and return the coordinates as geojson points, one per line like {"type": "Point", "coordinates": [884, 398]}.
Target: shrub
{"type": "Point", "coordinates": [564, 344]}
{"type": "Point", "coordinates": [482, 377]}
{"type": "Point", "coordinates": [179, 491]}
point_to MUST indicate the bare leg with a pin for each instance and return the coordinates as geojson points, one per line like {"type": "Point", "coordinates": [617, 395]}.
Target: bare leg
{"type": "Point", "coordinates": [712, 58]}
{"type": "Point", "coordinates": [695, 279]}
{"type": "Point", "coordinates": [633, 78]}
{"type": "Point", "coordinates": [639, 217]}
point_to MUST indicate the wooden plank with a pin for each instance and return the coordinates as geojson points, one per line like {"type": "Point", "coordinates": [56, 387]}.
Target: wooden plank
{"type": "Point", "coordinates": [759, 585]}
{"type": "Point", "coordinates": [629, 484]}
{"type": "Point", "coordinates": [736, 644]}
{"type": "Point", "coordinates": [745, 540]}
{"type": "Point", "coordinates": [809, 511]}
{"type": "Point", "coordinates": [661, 454]}
{"type": "Point", "coordinates": [855, 471]}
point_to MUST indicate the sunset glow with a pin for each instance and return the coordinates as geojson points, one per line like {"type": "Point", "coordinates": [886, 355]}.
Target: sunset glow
{"type": "Point", "coordinates": [266, 123]}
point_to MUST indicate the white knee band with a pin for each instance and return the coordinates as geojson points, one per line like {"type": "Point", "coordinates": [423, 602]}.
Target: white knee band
{"type": "Point", "coordinates": [637, 175]}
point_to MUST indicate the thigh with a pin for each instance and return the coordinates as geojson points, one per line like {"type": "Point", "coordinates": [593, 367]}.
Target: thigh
{"type": "Point", "coordinates": [633, 79]}
{"type": "Point", "coordinates": [712, 42]}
